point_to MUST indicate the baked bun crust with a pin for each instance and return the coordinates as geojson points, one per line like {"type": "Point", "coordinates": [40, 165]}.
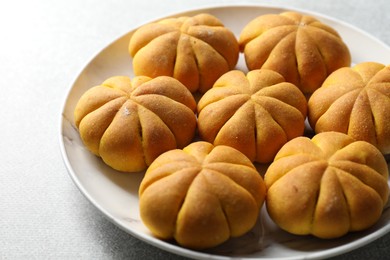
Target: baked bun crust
{"type": "Point", "coordinates": [327, 186]}
{"type": "Point", "coordinates": [128, 123]}
{"type": "Point", "coordinates": [301, 48]}
{"type": "Point", "coordinates": [201, 195]}
{"type": "Point", "coordinates": [355, 101]}
{"type": "Point", "coordinates": [195, 50]}
{"type": "Point", "coordinates": [256, 113]}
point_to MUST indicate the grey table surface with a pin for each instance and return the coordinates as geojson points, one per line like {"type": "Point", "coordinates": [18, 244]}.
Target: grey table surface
{"type": "Point", "coordinates": [43, 46]}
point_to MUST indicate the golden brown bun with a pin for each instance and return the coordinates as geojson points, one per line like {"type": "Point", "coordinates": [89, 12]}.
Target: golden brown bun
{"type": "Point", "coordinates": [326, 186]}
{"type": "Point", "coordinates": [129, 123]}
{"type": "Point", "coordinates": [355, 101]}
{"type": "Point", "coordinates": [195, 50]}
{"type": "Point", "coordinates": [201, 195]}
{"type": "Point", "coordinates": [255, 113]}
{"type": "Point", "coordinates": [301, 48]}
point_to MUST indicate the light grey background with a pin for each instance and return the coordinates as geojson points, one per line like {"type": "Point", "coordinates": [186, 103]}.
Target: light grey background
{"type": "Point", "coordinates": [43, 46]}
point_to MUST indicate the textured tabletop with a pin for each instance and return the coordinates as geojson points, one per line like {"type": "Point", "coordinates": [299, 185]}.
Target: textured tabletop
{"type": "Point", "coordinates": [43, 46]}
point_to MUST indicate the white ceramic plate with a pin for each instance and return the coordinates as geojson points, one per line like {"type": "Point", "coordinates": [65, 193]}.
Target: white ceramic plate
{"type": "Point", "coordinates": [116, 194]}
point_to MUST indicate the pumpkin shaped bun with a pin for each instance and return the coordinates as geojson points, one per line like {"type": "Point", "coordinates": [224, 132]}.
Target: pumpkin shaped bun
{"type": "Point", "coordinates": [355, 101]}
{"type": "Point", "coordinates": [128, 123]}
{"type": "Point", "coordinates": [327, 186]}
{"type": "Point", "coordinates": [256, 113]}
{"type": "Point", "coordinates": [300, 47]}
{"type": "Point", "coordinates": [201, 195]}
{"type": "Point", "coordinates": [195, 50]}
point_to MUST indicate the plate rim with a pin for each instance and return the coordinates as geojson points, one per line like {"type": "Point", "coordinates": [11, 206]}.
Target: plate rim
{"type": "Point", "coordinates": [175, 249]}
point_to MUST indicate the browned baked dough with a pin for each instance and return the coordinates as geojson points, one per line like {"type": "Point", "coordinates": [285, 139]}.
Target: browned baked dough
{"type": "Point", "coordinates": [300, 47]}
{"type": "Point", "coordinates": [195, 50]}
{"type": "Point", "coordinates": [128, 123]}
{"type": "Point", "coordinates": [326, 186]}
{"type": "Point", "coordinates": [201, 195]}
{"type": "Point", "coordinates": [355, 101]}
{"type": "Point", "coordinates": [255, 113]}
